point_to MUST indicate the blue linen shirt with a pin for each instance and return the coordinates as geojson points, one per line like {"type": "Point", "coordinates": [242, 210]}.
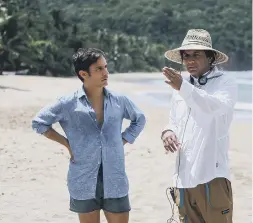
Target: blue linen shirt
{"type": "Point", "coordinates": [91, 143]}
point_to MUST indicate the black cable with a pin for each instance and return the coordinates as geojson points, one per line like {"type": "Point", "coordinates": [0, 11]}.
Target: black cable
{"type": "Point", "coordinates": [172, 219]}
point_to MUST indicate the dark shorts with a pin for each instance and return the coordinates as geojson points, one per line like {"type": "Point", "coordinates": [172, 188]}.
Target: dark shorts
{"type": "Point", "coordinates": [113, 205]}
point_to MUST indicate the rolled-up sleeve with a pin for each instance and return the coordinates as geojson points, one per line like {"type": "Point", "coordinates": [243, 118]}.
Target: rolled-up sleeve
{"type": "Point", "coordinates": [47, 116]}
{"type": "Point", "coordinates": [138, 120]}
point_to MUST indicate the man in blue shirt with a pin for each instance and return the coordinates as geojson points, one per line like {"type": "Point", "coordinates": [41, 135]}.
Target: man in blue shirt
{"type": "Point", "coordinates": [92, 120]}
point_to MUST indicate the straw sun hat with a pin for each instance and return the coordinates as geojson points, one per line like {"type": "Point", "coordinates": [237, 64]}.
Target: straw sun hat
{"type": "Point", "coordinates": [196, 39]}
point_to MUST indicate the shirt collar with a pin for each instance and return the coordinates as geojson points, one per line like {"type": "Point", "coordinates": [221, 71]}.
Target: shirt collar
{"type": "Point", "coordinates": [212, 72]}
{"type": "Point", "coordinates": [81, 92]}
{"type": "Point", "coordinates": [208, 73]}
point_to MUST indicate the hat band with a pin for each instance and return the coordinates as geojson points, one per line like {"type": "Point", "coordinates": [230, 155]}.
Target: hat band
{"type": "Point", "coordinates": [197, 43]}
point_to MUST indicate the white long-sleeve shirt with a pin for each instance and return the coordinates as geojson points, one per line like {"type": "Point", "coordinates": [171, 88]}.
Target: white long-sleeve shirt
{"type": "Point", "coordinates": [201, 116]}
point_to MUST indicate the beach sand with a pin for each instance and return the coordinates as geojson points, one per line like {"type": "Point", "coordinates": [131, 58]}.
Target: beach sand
{"type": "Point", "coordinates": [33, 169]}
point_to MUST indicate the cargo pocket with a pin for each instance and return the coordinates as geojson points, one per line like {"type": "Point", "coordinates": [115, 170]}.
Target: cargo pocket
{"type": "Point", "coordinates": [219, 193]}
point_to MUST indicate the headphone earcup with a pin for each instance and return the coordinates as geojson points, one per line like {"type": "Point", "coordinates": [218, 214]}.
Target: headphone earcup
{"type": "Point", "coordinates": [202, 80]}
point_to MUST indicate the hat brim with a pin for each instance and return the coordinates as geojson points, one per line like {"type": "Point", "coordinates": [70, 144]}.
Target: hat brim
{"type": "Point", "coordinates": [174, 55]}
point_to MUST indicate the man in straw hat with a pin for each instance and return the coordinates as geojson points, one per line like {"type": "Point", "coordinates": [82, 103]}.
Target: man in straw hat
{"type": "Point", "coordinates": [198, 130]}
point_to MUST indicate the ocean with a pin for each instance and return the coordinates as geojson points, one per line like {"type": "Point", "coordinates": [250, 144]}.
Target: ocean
{"type": "Point", "coordinates": [243, 107]}
{"type": "Point", "coordinates": [161, 97]}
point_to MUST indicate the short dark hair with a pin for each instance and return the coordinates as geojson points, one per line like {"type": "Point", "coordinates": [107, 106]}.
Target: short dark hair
{"type": "Point", "coordinates": [209, 54]}
{"type": "Point", "coordinates": [83, 58]}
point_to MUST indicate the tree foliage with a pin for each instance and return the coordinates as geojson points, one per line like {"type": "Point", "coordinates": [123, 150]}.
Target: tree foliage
{"type": "Point", "coordinates": [41, 36]}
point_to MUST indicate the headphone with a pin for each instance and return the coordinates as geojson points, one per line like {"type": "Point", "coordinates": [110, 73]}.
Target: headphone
{"type": "Point", "coordinates": [202, 80]}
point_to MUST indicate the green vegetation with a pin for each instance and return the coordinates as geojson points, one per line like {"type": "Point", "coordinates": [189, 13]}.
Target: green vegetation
{"type": "Point", "coordinates": [41, 36]}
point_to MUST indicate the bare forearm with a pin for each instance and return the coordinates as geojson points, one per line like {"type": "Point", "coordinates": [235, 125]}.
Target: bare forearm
{"type": "Point", "coordinates": [124, 141]}
{"type": "Point", "coordinates": [55, 136]}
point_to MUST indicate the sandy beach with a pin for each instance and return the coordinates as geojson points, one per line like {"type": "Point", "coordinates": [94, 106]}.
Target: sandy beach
{"type": "Point", "coordinates": [33, 169]}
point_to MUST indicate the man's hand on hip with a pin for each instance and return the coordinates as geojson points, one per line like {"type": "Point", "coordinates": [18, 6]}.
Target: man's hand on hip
{"type": "Point", "coordinates": [70, 151]}
{"type": "Point", "coordinates": [124, 141]}
{"type": "Point", "coordinates": [55, 136]}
